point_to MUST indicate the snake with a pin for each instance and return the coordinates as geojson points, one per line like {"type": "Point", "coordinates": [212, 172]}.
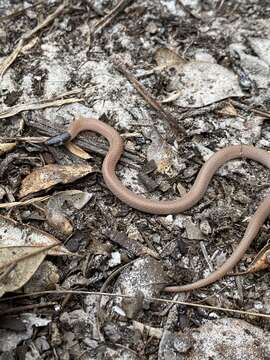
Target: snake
{"type": "Point", "coordinates": [178, 205]}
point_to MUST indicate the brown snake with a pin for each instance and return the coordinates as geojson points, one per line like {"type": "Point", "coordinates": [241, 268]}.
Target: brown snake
{"type": "Point", "coordinates": [180, 204]}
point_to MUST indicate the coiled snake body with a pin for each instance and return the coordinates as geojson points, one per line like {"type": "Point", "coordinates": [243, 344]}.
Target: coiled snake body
{"type": "Point", "coordinates": [179, 204]}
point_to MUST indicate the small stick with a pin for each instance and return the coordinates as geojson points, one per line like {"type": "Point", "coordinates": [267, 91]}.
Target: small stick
{"type": "Point", "coordinates": [201, 111]}
{"type": "Point", "coordinates": [100, 149]}
{"type": "Point", "coordinates": [248, 108]}
{"type": "Point", "coordinates": [15, 53]}
{"type": "Point", "coordinates": [149, 98]}
{"type": "Point", "coordinates": [42, 104]}
{"type": "Point", "coordinates": [206, 256]}
{"type": "Point", "coordinates": [153, 299]}
{"type": "Point", "coordinates": [107, 19]}
{"type": "Point", "coordinates": [20, 309]}
{"type": "Point", "coordinates": [19, 12]}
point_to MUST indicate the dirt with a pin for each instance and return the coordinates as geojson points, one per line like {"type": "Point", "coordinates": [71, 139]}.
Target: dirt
{"type": "Point", "coordinates": [68, 55]}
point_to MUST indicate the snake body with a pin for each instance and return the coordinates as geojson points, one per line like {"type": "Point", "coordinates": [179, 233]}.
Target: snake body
{"type": "Point", "coordinates": [178, 205]}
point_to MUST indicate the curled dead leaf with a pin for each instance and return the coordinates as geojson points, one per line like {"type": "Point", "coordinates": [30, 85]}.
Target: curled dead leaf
{"type": "Point", "coordinates": [49, 175]}
{"type": "Point", "coordinates": [260, 262]}
{"type": "Point", "coordinates": [57, 220]}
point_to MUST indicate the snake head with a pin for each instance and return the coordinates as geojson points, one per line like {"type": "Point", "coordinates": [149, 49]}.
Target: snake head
{"type": "Point", "coordinates": [59, 139]}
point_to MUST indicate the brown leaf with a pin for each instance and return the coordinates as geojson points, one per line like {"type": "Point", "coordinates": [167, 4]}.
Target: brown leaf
{"type": "Point", "coordinates": [260, 262]}
{"type": "Point", "coordinates": [23, 270]}
{"type": "Point", "coordinates": [76, 150]}
{"type": "Point", "coordinates": [49, 175]}
{"type": "Point", "coordinates": [228, 110]}
{"type": "Point", "coordinates": [57, 220]}
{"type": "Point", "coordinates": [168, 58]}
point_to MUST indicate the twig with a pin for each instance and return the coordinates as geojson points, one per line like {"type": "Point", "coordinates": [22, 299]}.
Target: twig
{"type": "Point", "coordinates": [107, 19]}
{"type": "Point", "coordinates": [103, 288]}
{"type": "Point", "coordinates": [151, 299]}
{"type": "Point", "coordinates": [248, 108]}
{"type": "Point", "coordinates": [13, 110]}
{"type": "Point", "coordinates": [10, 205]}
{"type": "Point", "coordinates": [149, 98]}
{"type": "Point", "coordinates": [28, 35]}
{"type": "Point", "coordinates": [29, 139]}
{"type": "Point", "coordinates": [89, 145]}
{"type": "Point", "coordinates": [19, 12]}
{"type": "Point", "coordinates": [202, 110]}
{"type": "Point", "coordinates": [188, 11]}
{"type": "Point", "coordinates": [20, 309]}
{"type": "Point", "coordinates": [206, 256]}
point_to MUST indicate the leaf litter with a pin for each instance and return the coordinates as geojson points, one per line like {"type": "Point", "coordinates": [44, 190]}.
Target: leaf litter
{"type": "Point", "coordinates": [22, 250]}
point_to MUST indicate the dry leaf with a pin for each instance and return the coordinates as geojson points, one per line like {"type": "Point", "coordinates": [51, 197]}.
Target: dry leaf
{"type": "Point", "coordinates": [260, 262]}
{"type": "Point", "coordinates": [166, 58]}
{"type": "Point", "coordinates": [228, 110]}
{"type": "Point", "coordinates": [22, 250]}
{"type": "Point", "coordinates": [196, 83]}
{"type": "Point", "coordinates": [57, 220]}
{"type": "Point", "coordinates": [47, 176]}
{"type": "Point", "coordinates": [13, 234]}
{"type": "Point", "coordinates": [75, 198]}
{"type": "Point", "coordinates": [23, 269]}
{"type": "Point", "coordinates": [62, 204]}
{"type": "Point", "coordinates": [4, 148]}
{"type": "Point", "coordinates": [76, 150]}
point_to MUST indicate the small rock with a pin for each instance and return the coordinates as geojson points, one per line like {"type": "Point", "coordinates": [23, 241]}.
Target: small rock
{"type": "Point", "coordinates": [174, 346]}
{"type": "Point", "coordinates": [205, 227]}
{"type": "Point", "coordinates": [115, 259]}
{"type": "Point", "coordinates": [229, 338]}
{"type": "Point", "coordinates": [78, 321]}
{"type": "Point", "coordinates": [193, 231]}
{"type": "Point", "coordinates": [145, 275]}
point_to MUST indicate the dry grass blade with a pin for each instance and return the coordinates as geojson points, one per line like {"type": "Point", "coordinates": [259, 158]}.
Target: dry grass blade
{"type": "Point", "coordinates": [23, 203]}
{"type": "Point", "coordinates": [111, 15]}
{"type": "Point", "coordinates": [36, 106]}
{"type": "Point", "coordinates": [12, 57]}
{"type": "Point", "coordinates": [149, 98]}
{"type": "Point", "coordinates": [29, 139]}
{"type": "Point", "coordinates": [153, 299]}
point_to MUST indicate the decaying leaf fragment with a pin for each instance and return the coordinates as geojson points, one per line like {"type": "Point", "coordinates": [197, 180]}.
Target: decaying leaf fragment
{"type": "Point", "coordinates": [228, 110]}
{"type": "Point", "coordinates": [196, 83]}
{"type": "Point", "coordinates": [49, 175]}
{"type": "Point", "coordinates": [260, 262]}
{"type": "Point", "coordinates": [61, 205]}
{"type": "Point", "coordinates": [22, 250]}
{"type": "Point", "coordinates": [166, 58]}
